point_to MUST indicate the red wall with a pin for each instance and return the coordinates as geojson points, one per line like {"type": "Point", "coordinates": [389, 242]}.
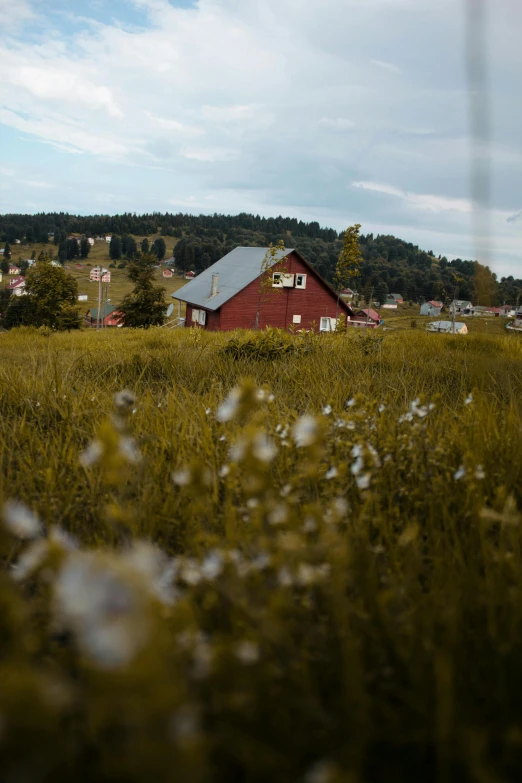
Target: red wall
{"type": "Point", "coordinates": [281, 304]}
{"type": "Point", "coordinates": [213, 318]}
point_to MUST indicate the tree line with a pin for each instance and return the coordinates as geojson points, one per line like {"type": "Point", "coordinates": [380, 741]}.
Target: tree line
{"type": "Point", "coordinates": [389, 264]}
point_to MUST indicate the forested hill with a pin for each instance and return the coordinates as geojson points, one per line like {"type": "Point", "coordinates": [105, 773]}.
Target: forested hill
{"type": "Point", "coordinates": [203, 239]}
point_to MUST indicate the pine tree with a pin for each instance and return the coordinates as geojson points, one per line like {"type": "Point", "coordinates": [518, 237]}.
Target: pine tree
{"type": "Point", "coordinates": [115, 248]}
{"type": "Point", "coordinates": [85, 248]}
{"type": "Point", "coordinates": [146, 305]}
{"type": "Point", "coordinates": [145, 245]}
{"type": "Point", "coordinates": [381, 292]}
{"type": "Point", "coordinates": [159, 248]}
{"type": "Point", "coordinates": [7, 251]}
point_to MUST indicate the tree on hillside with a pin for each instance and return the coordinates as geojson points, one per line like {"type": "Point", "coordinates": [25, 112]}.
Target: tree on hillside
{"type": "Point", "coordinates": [29, 235]}
{"type": "Point", "coordinates": [145, 245]}
{"type": "Point", "coordinates": [4, 266]}
{"type": "Point", "coordinates": [53, 294]}
{"type": "Point", "coordinates": [349, 259]}
{"type": "Point", "coordinates": [129, 247]}
{"type": "Point", "coordinates": [159, 248]}
{"type": "Point", "coordinates": [7, 251]}
{"type": "Point", "coordinates": [381, 292]}
{"type": "Point", "coordinates": [115, 251]}
{"type": "Point", "coordinates": [146, 305]}
{"type": "Point", "coordinates": [85, 248]}
{"type": "Point", "coordinates": [72, 248]}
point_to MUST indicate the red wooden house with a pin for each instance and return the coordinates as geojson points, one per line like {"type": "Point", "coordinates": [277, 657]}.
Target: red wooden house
{"type": "Point", "coordinates": [110, 316]}
{"type": "Point", "coordinates": [228, 294]}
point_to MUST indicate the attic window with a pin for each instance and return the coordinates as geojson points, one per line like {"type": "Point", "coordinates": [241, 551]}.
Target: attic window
{"type": "Point", "coordinates": [276, 280]}
{"type": "Point", "coordinates": [300, 281]}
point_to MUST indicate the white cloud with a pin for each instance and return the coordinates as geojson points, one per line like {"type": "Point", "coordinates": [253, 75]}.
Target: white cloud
{"type": "Point", "coordinates": [13, 12]}
{"type": "Point", "coordinates": [337, 123]}
{"type": "Point", "coordinates": [387, 66]}
{"type": "Point", "coordinates": [429, 202]}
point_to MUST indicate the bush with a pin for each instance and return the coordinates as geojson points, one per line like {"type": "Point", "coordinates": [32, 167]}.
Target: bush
{"type": "Point", "coordinates": [413, 323]}
{"type": "Point", "coordinates": [122, 265]}
{"type": "Point", "coordinates": [268, 344]}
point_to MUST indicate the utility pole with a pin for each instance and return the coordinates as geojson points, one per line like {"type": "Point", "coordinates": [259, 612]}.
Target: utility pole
{"type": "Point", "coordinates": [453, 308]}
{"type": "Point", "coordinates": [98, 320]}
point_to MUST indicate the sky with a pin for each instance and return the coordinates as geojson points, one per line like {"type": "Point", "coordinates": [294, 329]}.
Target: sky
{"type": "Point", "coordinates": [339, 111]}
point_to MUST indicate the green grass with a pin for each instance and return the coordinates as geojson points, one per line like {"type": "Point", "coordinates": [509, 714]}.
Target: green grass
{"type": "Point", "coordinates": [347, 594]}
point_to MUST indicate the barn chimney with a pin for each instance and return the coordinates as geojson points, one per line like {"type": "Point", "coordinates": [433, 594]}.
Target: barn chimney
{"type": "Point", "coordinates": [214, 286]}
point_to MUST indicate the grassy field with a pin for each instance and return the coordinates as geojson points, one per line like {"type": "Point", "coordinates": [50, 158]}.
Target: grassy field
{"type": "Point", "coordinates": [274, 559]}
{"type": "Point", "coordinates": [99, 254]}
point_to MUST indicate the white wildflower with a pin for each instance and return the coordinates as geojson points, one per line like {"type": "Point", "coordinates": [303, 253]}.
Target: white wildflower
{"type": "Point", "coordinates": [278, 515]}
{"type": "Point", "coordinates": [92, 454]}
{"type": "Point", "coordinates": [129, 450]}
{"type": "Point", "coordinates": [263, 448]}
{"type": "Point", "coordinates": [332, 473]}
{"type": "Point", "coordinates": [285, 491]}
{"type": "Point", "coordinates": [230, 406]}
{"type": "Point", "coordinates": [224, 471]}
{"type": "Point", "coordinates": [21, 521]}
{"type": "Point", "coordinates": [381, 408]}
{"type": "Point", "coordinates": [222, 438]}
{"type": "Point", "coordinates": [375, 455]}
{"type": "Point", "coordinates": [154, 565]}
{"type": "Point", "coordinates": [238, 450]}
{"type": "Point", "coordinates": [182, 477]}
{"type": "Point", "coordinates": [31, 559]}
{"type": "Point", "coordinates": [190, 572]}
{"type": "Point", "coordinates": [363, 482]}
{"type": "Point", "coordinates": [309, 525]}
{"type": "Point", "coordinates": [479, 473]}
{"type": "Point", "coordinates": [357, 451]}
{"type": "Point", "coordinates": [468, 400]}
{"type": "Point", "coordinates": [270, 398]}
{"type": "Point", "coordinates": [252, 503]}
{"type": "Point", "coordinates": [124, 400]}
{"type": "Point", "coordinates": [305, 574]}
{"type": "Point", "coordinates": [279, 428]}
{"type": "Point", "coordinates": [283, 434]}
{"type": "Point", "coordinates": [340, 506]}
{"type": "Point", "coordinates": [208, 411]}
{"type": "Point", "coordinates": [460, 473]}
{"type": "Point", "coordinates": [305, 431]}
{"type": "Point", "coordinates": [212, 565]}
{"type": "Point", "coordinates": [284, 577]}
{"type": "Point", "coordinates": [260, 562]}
{"type": "Point", "coordinates": [327, 410]}
{"type": "Point", "coordinates": [350, 403]}
{"type": "Point", "coordinates": [247, 652]}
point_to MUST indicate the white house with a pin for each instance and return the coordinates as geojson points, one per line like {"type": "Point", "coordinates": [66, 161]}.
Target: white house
{"type": "Point", "coordinates": [462, 306]}
{"type": "Point", "coordinates": [14, 270]}
{"type": "Point", "coordinates": [447, 327]}
{"type": "Point", "coordinates": [82, 297]}
{"type": "Point", "coordinates": [108, 240]}
{"type": "Point", "coordinates": [431, 308]}
{"type": "Point", "coordinates": [98, 272]}
{"type": "Point", "coordinates": [17, 286]}
{"type": "Point", "coordinates": [90, 240]}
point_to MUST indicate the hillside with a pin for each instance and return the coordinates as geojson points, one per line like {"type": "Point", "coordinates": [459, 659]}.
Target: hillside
{"type": "Point", "coordinates": [199, 241]}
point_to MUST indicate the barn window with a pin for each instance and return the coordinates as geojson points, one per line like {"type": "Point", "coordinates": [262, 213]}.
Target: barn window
{"type": "Point", "coordinates": [296, 319]}
{"type": "Point", "coordinates": [276, 280]}
{"type": "Point", "coordinates": [195, 315]}
{"type": "Point", "coordinates": [325, 325]}
{"type": "Point", "coordinates": [202, 318]}
{"type": "Point", "coordinates": [300, 281]}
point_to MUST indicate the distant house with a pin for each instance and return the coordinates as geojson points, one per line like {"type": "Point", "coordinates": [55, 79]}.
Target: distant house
{"type": "Point", "coordinates": [506, 309]}
{"type": "Point", "coordinates": [30, 261]}
{"type": "Point", "coordinates": [17, 286]}
{"type": "Point", "coordinates": [82, 297]}
{"type": "Point", "coordinates": [110, 316]}
{"type": "Point", "coordinates": [90, 240]}
{"type": "Point", "coordinates": [168, 261]}
{"type": "Point", "coordinates": [79, 266]}
{"type": "Point", "coordinates": [14, 270]}
{"type": "Point", "coordinates": [55, 263]}
{"type": "Point", "coordinates": [366, 318]}
{"type": "Point", "coordinates": [98, 272]}
{"type": "Point", "coordinates": [2, 251]}
{"type": "Point", "coordinates": [462, 306]}
{"type": "Point", "coordinates": [347, 293]}
{"type": "Point", "coordinates": [390, 304]}
{"type": "Point", "coordinates": [190, 275]}
{"type": "Point", "coordinates": [397, 298]}
{"type": "Point", "coordinates": [226, 295]}
{"type": "Point", "coordinates": [18, 242]}
{"type": "Point", "coordinates": [167, 273]}
{"type": "Point", "coordinates": [431, 308]}
{"type": "Point", "coordinates": [108, 239]}
{"type": "Point", "coordinates": [447, 327]}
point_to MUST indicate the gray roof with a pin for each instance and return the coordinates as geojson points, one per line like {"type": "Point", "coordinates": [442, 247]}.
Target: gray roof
{"type": "Point", "coordinates": [236, 270]}
{"type": "Point", "coordinates": [442, 325]}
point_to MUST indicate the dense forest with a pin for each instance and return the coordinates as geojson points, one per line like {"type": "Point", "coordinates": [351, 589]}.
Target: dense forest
{"type": "Point", "coordinates": [388, 262]}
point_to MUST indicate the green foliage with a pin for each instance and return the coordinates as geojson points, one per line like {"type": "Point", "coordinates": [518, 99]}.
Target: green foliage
{"type": "Point", "coordinates": [159, 248]}
{"type": "Point", "coordinates": [349, 260]}
{"type": "Point", "coordinates": [146, 305]}
{"type": "Point", "coordinates": [85, 247]}
{"type": "Point", "coordinates": [269, 344]}
{"type": "Point", "coordinates": [310, 575]}
{"type": "Point", "coordinates": [381, 292]}
{"type": "Point", "coordinates": [7, 251]}
{"type": "Point", "coordinates": [115, 250]}
{"type": "Point", "coordinates": [50, 301]}
{"type": "Point", "coordinates": [145, 245]}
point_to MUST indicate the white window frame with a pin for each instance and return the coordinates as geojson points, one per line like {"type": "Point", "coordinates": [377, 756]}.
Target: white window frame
{"type": "Point", "coordinates": [301, 284]}
{"type": "Point", "coordinates": [296, 319]}
{"type": "Point", "coordinates": [277, 280]}
{"type": "Point", "coordinates": [202, 320]}
{"type": "Point", "coordinates": [325, 324]}
{"type": "Point", "coordinates": [195, 315]}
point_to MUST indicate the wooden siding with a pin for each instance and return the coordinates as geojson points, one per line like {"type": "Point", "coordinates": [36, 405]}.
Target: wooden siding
{"type": "Point", "coordinates": [281, 304]}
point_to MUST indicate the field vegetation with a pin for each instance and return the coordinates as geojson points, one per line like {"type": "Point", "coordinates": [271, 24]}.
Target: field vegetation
{"type": "Point", "coordinates": [260, 557]}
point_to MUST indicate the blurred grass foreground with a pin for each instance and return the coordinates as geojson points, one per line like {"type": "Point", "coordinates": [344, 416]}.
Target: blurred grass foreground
{"type": "Point", "coordinates": [261, 557]}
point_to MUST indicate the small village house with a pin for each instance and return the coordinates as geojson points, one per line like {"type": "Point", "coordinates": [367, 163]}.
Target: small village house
{"type": "Point", "coordinates": [431, 308]}
{"type": "Point", "coordinates": [366, 318]}
{"type": "Point", "coordinates": [348, 294]}
{"type": "Point", "coordinates": [98, 272]}
{"type": "Point", "coordinates": [390, 304]}
{"type": "Point", "coordinates": [447, 327]}
{"type": "Point", "coordinates": [506, 309]}
{"type": "Point", "coordinates": [14, 270]}
{"type": "Point", "coordinates": [167, 273]}
{"type": "Point", "coordinates": [82, 297]}
{"type": "Point", "coordinates": [90, 240]}
{"type": "Point", "coordinates": [110, 316]}
{"type": "Point", "coordinates": [2, 251]}
{"type": "Point", "coordinates": [79, 266]}
{"type": "Point", "coordinates": [397, 298]}
{"type": "Point", "coordinates": [462, 306]}
{"type": "Point", "coordinates": [108, 240]}
{"type": "Point", "coordinates": [17, 286]}
{"type": "Point", "coordinates": [190, 275]}
{"type": "Point", "coordinates": [229, 295]}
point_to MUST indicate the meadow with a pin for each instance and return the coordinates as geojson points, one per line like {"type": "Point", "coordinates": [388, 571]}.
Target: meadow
{"type": "Point", "coordinates": [260, 557]}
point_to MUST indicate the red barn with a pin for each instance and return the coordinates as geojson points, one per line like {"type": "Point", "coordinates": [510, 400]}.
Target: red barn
{"type": "Point", "coordinates": [228, 294]}
{"type": "Point", "coordinates": [167, 273]}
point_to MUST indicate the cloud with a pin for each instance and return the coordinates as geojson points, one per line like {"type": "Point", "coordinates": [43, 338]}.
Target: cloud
{"type": "Point", "coordinates": [337, 123]}
{"type": "Point", "coordinates": [429, 202]}
{"type": "Point", "coordinates": [387, 66]}
{"type": "Point", "coordinates": [14, 12]}
{"type": "Point", "coordinates": [515, 218]}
